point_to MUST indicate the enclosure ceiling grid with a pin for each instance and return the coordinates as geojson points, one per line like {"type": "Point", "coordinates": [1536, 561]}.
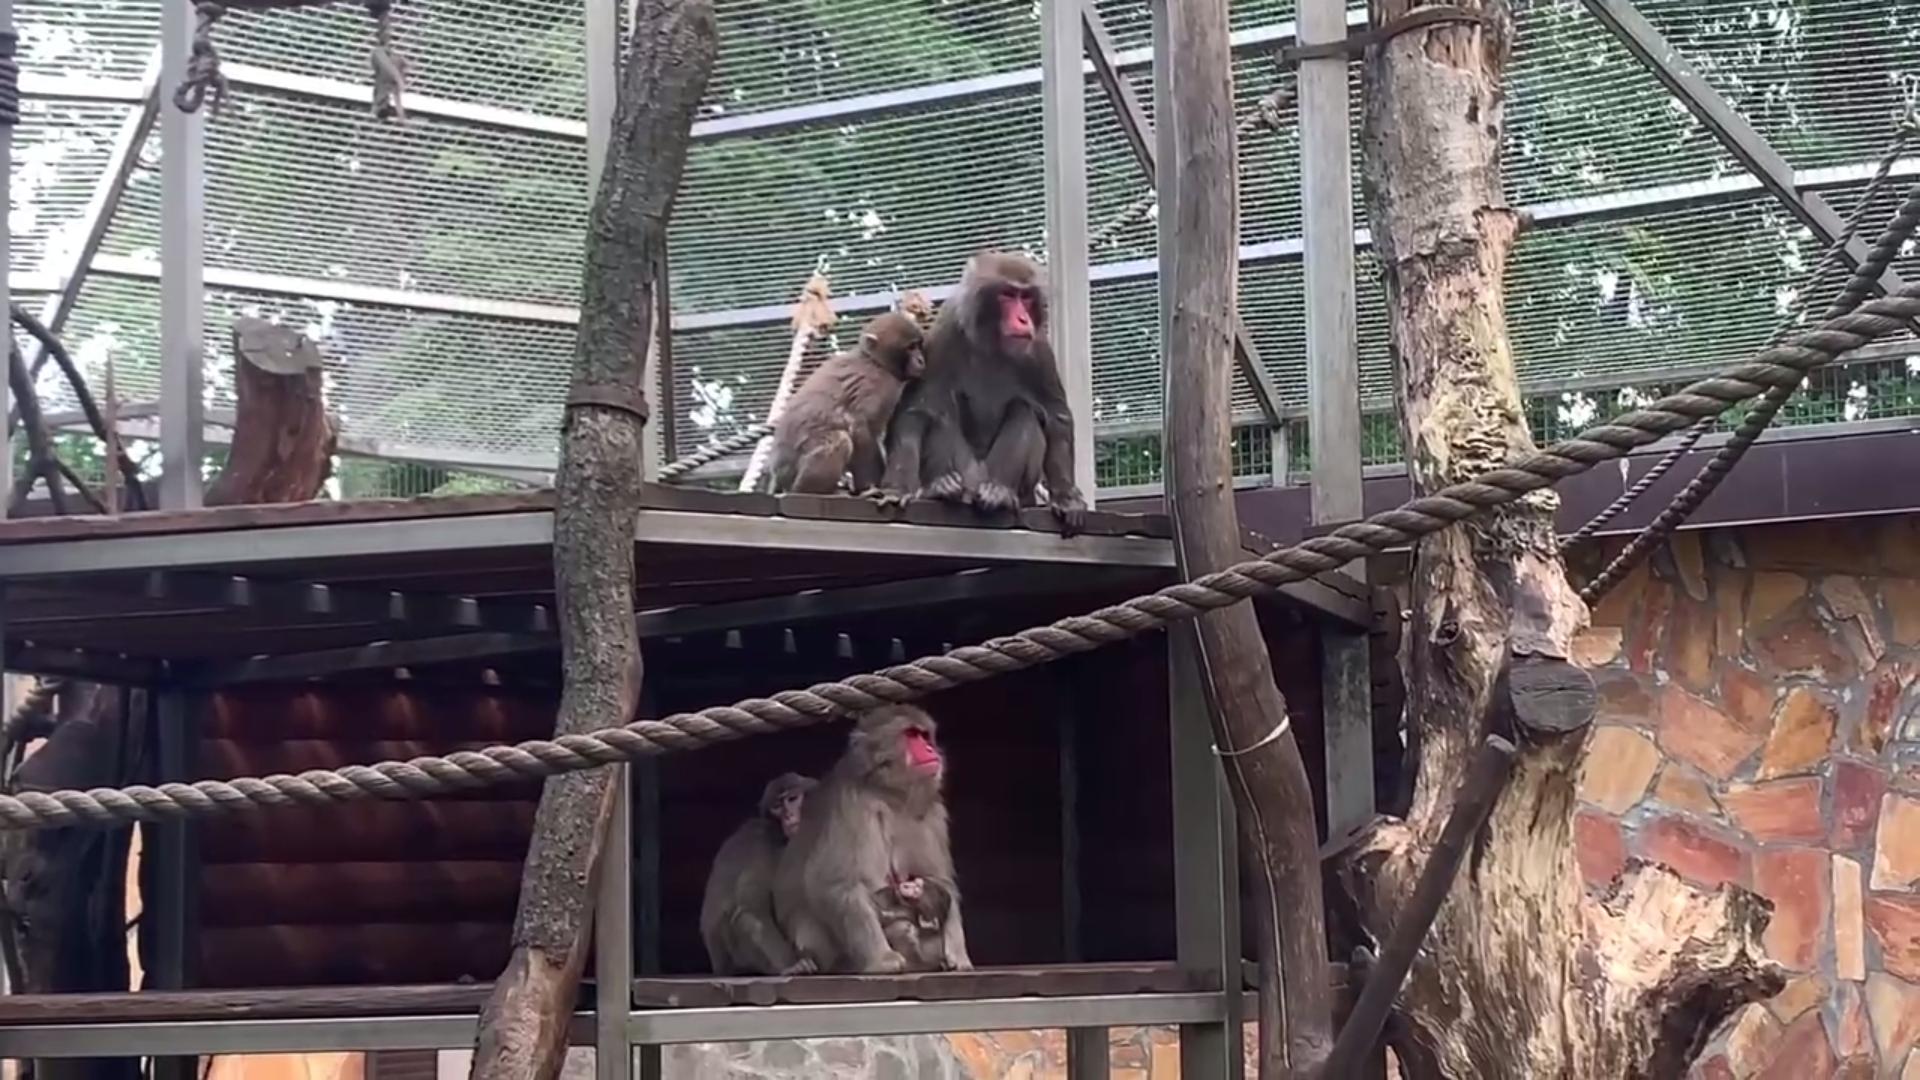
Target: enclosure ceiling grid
{"type": "Point", "coordinates": [107, 38]}
{"type": "Point", "coordinates": [1824, 81]}
{"type": "Point", "coordinates": [518, 54]}
{"type": "Point", "coordinates": [60, 150]}
{"type": "Point", "coordinates": [324, 191]}
{"type": "Point", "coordinates": [893, 201]}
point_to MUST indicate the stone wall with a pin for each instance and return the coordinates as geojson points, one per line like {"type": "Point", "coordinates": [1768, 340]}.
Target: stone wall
{"type": "Point", "coordinates": [1760, 725]}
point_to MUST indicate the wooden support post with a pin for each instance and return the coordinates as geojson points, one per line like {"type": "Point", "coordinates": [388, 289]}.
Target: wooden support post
{"type": "Point", "coordinates": [1273, 804]}
{"type": "Point", "coordinates": [523, 1026]}
{"type": "Point", "coordinates": [1087, 1055]}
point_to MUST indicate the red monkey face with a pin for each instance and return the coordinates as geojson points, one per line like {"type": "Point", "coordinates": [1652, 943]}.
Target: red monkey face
{"type": "Point", "coordinates": [922, 757]}
{"type": "Point", "coordinates": [1016, 319]}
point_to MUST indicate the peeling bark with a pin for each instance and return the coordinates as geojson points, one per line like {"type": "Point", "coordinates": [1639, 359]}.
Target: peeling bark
{"type": "Point", "coordinates": [1523, 974]}
{"type": "Point", "coordinates": [283, 443]}
{"type": "Point", "coordinates": [523, 1025]}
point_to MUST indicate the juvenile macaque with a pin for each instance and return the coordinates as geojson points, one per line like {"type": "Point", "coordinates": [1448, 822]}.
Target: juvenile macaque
{"type": "Point", "coordinates": [990, 420]}
{"type": "Point", "coordinates": [875, 822]}
{"type": "Point", "coordinates": [736, 914]}
{"type": "Point", "coordinates": [837, 420]}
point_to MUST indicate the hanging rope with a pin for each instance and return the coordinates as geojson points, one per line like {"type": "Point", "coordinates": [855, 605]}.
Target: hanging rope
{"type": "Point", "coordinates": [1831, 262]}
{"type": "Point", "coordinates": [1858, 288]}
{"type": "Point", "coordinates": [466, 770]}
{"type": "Point", "coordinates": [203, 63]}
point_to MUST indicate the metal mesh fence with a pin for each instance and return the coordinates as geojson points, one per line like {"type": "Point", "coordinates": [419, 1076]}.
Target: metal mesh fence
{"type": "Point", "coordinates": [437, 261]}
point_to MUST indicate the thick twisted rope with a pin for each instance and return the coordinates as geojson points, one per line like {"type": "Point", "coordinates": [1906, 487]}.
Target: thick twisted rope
{"type": "Point", "coordinates": [1831, 260]}
{"type": "Point", "coordinates": [714, 451]}
{"type": "Point", "coordinates": [1783, 365]}
{"type": "Point", "coordinates": [1857, 288]}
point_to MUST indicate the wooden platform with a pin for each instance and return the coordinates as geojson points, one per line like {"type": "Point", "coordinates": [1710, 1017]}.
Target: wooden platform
{"type": "Point", "coordinates": [234, 583]}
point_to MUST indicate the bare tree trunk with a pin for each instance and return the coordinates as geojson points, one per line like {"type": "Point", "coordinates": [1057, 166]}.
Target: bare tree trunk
{"type": "Point", "coordinates": [1523, 973]}
{"type": "Point", "coordinates": [1272, 801]}
{"type": "Point", "coordinates": [283, 443]}
{"type": "Point", "coordinates": [523, 1027]}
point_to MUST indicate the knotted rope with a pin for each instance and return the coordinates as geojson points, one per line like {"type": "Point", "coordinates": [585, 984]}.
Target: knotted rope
{"type": "Point", "coordinates": [203, 63]}
{"type": "Point", "coordinates": [1781, 366]}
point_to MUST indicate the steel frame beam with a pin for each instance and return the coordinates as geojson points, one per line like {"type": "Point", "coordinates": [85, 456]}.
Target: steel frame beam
{"type": "Point", "coordinates": [1727, 125]}
{"type": "Point", "coordinates": [746, 1023]}
{"type": "Point", "coordinates": [1139, 132]}
{"type": "Point", "coordinates": [231, 550]}
{"type": "Point", "coordinates": [807, 605]}
{"type": "Point", "coordinates": [1063, 109]}
{"type": "Point", "coordinates": [182, 265]}
{"type": "Point", "coordinates": [321, 602]}
{"type": "Point", "coordinates": [122, 158]}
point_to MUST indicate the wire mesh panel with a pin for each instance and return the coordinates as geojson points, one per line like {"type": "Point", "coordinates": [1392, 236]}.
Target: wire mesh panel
{"type": "Point", "coordinates": [437, 261]}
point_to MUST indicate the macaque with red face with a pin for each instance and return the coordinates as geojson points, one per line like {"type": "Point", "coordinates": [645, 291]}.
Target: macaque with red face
{"type": "Point", "coordinates": [876, 823]}
{"type": "Point", "coordinates": [736, 913]}
{"type": "Point", "coordinates": [989, 421]}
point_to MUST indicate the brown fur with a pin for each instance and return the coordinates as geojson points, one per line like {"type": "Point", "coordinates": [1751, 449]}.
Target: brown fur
{"type": "Point", "coordinates": [990, 419]}
{"type": "Point", "coordinates": [838, 417]}
{"type": "Point", "coordinates": [736, 912]}
{"type": "Point", "coordinates": [874, 822]}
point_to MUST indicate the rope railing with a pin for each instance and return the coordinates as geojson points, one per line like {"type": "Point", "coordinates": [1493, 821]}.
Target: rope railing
{"type": "Point", "coordinates": [1781, 366]}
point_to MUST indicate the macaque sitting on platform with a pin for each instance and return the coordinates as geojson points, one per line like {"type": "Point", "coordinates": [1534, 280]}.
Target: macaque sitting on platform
{"type": "Point", "coordinates": [838, 417]}
{"type": "Point", "coordinates": [876, 823]}
{"type": "Point", "coordinates": [736, 914]}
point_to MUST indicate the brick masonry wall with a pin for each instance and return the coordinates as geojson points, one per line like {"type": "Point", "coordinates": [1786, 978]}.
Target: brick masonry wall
{"type": "Point", "coordinates": [1760, 725]}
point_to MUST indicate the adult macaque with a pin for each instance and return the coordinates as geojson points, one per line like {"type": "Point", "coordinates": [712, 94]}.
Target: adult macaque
{"type": "Point", "coordinates": [838, 418]}
{"type": "Point", "coordinates": [876, 821]}
{"type": "Point", "coordinates": [989, 420]}
{"type": "Point", "coordinates": [736, 914]}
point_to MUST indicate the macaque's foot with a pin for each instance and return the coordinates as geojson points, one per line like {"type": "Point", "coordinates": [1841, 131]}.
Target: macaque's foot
{"type": "Point", "coordinates": [993, 497]}
{"type": "Point", "coordinates": [950, 487]}
{"type": "Point", "coordinates": [889, 498]}
{"type": "Point", "coordinates": [1071, 509]}
{"type": "Point", "coordinates": [802, 966]}
{"type": "Point", "coordinates": [888, 963]}
{"type": "Point", "coordinates": [962, 964]}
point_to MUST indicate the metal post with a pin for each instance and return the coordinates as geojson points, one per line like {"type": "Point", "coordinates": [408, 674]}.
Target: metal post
{"type": "Point", "coordinates": [167, 890]}
{"type": "Point", "coordinates": [182, 272]}
{"type": "Point", "coordinates": [613, 939]}
{"type": "Point", "coordinates": [645, 804]}
{"type": "Point", "coordinates": [10, 43]}
{"type": "Point", "coordinates": [1206, 869]}
{"type": "Point", "coordinates": [1088, 1057]}
{"type": "Point", "coordinates": [1333, 396]}
{"type": "Point", "coordinates": [1063, 110]}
